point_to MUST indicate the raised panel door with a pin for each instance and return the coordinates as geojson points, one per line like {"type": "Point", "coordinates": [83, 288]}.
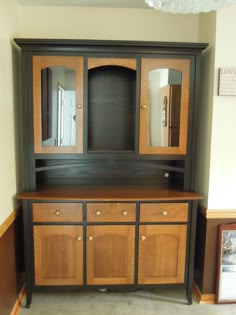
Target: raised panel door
{"type": "Point", "coordinates": [110, 254]}
{"type": "Point", "coordinates": [162, 252]}
{"type": "Point", "coordinates": [58, 255]}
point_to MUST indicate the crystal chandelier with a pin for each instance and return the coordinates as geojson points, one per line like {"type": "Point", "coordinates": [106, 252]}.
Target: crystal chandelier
{"type": "Point", "coordinates": [189, 6]}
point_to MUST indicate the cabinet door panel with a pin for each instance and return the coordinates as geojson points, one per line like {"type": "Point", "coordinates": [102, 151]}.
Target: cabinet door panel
{"type": "Point", "coordinates": [58, 104]}
{"type": "Point", "coordinates": [110, 255]}
{"type": "Point", "coordinates": [164, 117]}
{"type": "Point", "coordinates": [162, 251]}
{"type": "Point", "coordinates": [58, 255]}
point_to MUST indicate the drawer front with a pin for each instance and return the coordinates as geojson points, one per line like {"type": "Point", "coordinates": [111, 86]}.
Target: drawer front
{"type": "Point", "coordinates": [111, 212]}
{"type": "Point", "coordinates": [163, 212]}
{"type": "Point", "coordinates": [57, 212]}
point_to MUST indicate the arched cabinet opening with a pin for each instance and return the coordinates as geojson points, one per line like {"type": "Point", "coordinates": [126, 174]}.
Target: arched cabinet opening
{"type": "Point", "coordinates": [111, 108]}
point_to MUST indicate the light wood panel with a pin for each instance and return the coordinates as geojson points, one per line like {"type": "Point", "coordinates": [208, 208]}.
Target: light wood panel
{"type": "Point", "coordinates": [19, 302]}
{"type": "Point", "coordinates": [57, 212]}
{"type": "Point", "coordinates": [163, 212]}
{"type": "Point", "coordinates": [58, 252]}
{"type": "Point", "coordinates": [162, 251]}
{"type": "Point", "coordinates": [98, 62]}
{"type": "Point", "coordinates": [111, 212]}
{"type": "Point", "coordinates": [182, 65]}
{"type": "Point", "coordinates": [42, 62]}
{"type": "Point", "coordinates": [110, 254]}
{"type": "Point", "coordinates": [108, 193]}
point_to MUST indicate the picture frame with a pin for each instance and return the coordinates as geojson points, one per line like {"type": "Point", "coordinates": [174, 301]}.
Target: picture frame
{"type": "Point", "coordinates": [226, 264]}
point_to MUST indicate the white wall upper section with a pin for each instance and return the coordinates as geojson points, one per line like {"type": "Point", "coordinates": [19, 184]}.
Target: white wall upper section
{"type": "Point", "coordinates": [222, 182]}
{"type": "Point", "coordinates": [8, 27]}
{"type": "Point", "coordinates": [104, 23]}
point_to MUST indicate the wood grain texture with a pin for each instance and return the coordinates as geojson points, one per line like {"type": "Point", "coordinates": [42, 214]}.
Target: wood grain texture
{"type": "Point", "coordinates": [57, 212]}
{"type": "Point", "coordinates": [19, 302]}
{"type": "Point", "coordinates": [39, 63]}
{"type": "Point", "coordinates": [110, 254]}
{"type": "Point", "coordinates": [121, 62]}
{"type": "Point", "coordinates": [8, 275]}
{"type": "Point", "coordinates": [58, 255]}
{"type": "Point", "coordinates": [183, 66]}
{"type": "Point", "coordinates": [162, 254]}
{"type": "Point", "coordinates": [108, 193]}
{"type": "Point", "coordinates": [111, 212]}
{"type": "Point", "coordinates": [163, 212]}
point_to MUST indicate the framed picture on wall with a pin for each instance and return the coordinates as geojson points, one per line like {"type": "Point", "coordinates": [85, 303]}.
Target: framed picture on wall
{"type": "Point", "coordinates": [226, 270]}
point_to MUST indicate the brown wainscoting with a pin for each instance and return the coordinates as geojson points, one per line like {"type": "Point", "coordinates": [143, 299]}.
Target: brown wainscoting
{"type": "Point", "coordinates": [206, 247]}
{"type": "Point", "coordinates": [10, 260]}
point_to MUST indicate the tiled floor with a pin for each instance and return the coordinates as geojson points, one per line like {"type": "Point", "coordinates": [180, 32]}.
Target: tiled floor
{"type": "Point", "coordinates": [115, 303]}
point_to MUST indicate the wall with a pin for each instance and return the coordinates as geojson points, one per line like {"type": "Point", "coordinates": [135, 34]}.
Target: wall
{"type": "Point", "coordinates": [222, 183]}
{"type": "Point", "coordinates": [217, 152]}
{"type": "Point", "coordinates": [104, 23]}
{"type": "Point", "coordinates": [8, 182]}
{"type": "Point", "coordinates": [207, 22]}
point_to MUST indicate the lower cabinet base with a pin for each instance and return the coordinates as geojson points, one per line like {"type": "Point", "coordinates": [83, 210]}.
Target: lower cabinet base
{"type": "Point", "coordinates": [109, 244]}
{"type": "Point", "coordinates": [107, 289]}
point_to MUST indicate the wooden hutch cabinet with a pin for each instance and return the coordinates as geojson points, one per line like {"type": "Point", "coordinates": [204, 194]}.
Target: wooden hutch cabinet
{"type": "Point", "coordinates": [109, 160]}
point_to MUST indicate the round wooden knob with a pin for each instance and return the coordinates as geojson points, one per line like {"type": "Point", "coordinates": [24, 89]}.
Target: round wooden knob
{"type": "Point", "coordinates": [57, 213]}
{"type": "Point", "coordinates": [164, 212]}
{"type": "Point", "coordinates": [144, 106]}
{"type": "Point", "coordinates": [143, 238]}
{"type": "Point", "coordinates": [90, 238]}
{"type": "Point", "coordinates": [125, 212]}
{"type": "Point", "coordinates": [98, 212]}
{"type": "Point", "coordinates": [79, 106]}
{"type": "Point", "coordinates": [79, 238]}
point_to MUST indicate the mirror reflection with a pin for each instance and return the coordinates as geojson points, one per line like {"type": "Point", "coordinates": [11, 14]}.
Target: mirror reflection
{"type": "Point", "coordinates": [58, 92]}
{"type": "Point", "coordinates": [164, 103]}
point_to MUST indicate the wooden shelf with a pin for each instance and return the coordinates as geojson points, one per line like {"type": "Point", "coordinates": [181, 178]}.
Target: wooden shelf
{"type": "Point", "coordinates": [108, 193]}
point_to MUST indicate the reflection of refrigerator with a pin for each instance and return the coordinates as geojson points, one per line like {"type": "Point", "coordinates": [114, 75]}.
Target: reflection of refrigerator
{"type": "Point", "coordinates": [170, 117]}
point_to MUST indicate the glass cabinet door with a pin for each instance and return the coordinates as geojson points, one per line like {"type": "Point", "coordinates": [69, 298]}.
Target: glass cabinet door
{"type": "Point", "coordinates": [58, 104]}
{"type": "Point", "coordinates": [164, 105]}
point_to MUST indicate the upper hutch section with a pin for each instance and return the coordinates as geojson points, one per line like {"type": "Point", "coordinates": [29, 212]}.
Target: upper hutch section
{"type": "Point", "coordinates": [88, 104]}
{"type": "Point", "coordinates": [111, 96]}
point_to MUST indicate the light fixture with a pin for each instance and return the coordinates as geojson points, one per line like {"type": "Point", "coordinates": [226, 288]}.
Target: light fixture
{"type": "Point", "coordinates": [189, 6]}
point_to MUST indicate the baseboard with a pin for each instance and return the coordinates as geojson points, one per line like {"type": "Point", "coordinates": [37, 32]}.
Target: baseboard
{"type": "Point", "coordinates": [17, 306]}
{"type": "Point", "coordinates": [203, 298]}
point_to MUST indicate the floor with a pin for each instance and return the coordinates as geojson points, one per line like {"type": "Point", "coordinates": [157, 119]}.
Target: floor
{"type": "Point", "coordinates": [117, 303]}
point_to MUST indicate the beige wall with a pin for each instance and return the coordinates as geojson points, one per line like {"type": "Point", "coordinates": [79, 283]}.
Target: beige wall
{"type": "Point", "coordinates": [222, 181]}
{"type": "Point", "coordinates": [103, 23]}
{"type": "Point", "coordinates": [8, 186]}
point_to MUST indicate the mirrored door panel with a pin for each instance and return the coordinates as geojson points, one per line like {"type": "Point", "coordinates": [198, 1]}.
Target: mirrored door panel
{"type": "Point", "coordinates": [58, 104]}
{"type": "Point", "coordinates": [164, 106]}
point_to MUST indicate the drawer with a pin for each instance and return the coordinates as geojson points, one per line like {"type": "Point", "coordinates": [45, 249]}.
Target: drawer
{"type": "Point", "coordinates": [163, 212]}
{"type": "Point", "coordinates": [111, 212]}
{"type": "Point", "coordinates": [57, 212]}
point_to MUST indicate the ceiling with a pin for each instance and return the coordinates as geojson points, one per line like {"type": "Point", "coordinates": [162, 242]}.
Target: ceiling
{"type": "Point", "coordinates": [138, 4]}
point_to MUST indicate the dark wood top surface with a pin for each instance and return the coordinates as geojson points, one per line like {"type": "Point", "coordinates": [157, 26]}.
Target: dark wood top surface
{"type": "Point", "coordinates": [108, 193]}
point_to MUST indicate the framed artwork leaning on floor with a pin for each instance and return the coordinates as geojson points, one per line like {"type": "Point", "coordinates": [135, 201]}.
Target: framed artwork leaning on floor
{"type": "Point", "coordinates": [226, 269]}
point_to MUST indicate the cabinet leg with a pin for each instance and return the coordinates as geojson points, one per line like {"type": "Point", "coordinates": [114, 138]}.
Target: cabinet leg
{"type": "Point", "coordinates": [189, 297]}
{"type": "Point", "coordinates": [28, 299]}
